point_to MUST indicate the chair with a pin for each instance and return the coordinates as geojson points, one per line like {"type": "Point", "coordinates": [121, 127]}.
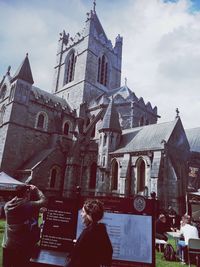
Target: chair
{"type": "Point", "coordinates": [193, 248]}
{"type": "Point", "coordinates": [160, 243]}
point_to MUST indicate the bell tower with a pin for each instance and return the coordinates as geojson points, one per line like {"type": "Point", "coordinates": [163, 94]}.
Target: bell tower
{"type": "Point", "coordinates": [87, 64]}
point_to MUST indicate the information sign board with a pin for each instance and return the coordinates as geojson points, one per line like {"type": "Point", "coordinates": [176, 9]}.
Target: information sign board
{"type": "Point", "coordinates": [60, 225]}
{"type": "Point", "coordinates": [130, 226]}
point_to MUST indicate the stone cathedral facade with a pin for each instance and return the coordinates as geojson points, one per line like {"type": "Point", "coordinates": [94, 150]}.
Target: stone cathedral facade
{"type": "Point", "coordinates": [91, 131]}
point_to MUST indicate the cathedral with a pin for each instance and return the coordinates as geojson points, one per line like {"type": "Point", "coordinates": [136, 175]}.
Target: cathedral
{"type": "Point", "coordinates": [91, 131]}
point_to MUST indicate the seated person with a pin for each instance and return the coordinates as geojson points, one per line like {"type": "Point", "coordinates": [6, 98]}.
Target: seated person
{"type": "Point", "coordinates": [162, 227]}
{"type": "Point", "coordinates": [172, 217]}
{"type": "Point", "coordinates": [188, 231]}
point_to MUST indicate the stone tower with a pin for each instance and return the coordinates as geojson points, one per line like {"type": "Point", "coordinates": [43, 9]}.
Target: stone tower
{"type": "Point", "coordinates": [87, 65]}
{"type": "Point", "coordinates": [109, 139]}
{"type": "Point", "coordinates": [14, 115]}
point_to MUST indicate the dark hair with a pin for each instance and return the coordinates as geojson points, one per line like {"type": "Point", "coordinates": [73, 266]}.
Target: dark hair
{"type": "Point", "coordinates": [162, 216]}
{"type": "Point", "coordinates": [21, 190]}
{"type": "Point", "coordinates": [94, 208]}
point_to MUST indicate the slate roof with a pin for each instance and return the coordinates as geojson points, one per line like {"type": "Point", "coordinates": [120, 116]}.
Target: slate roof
{"type": "Point", "coordinates": [111, 119]}
{"type": "Point", "coordinates": [145, 138]}
{"type": "Point", "coordinates": [48, 97]}
{"type": "Point", "coordinates": [124, 91]}
{"type": "Point", "coordinates": [24, 72]}
{"type": "Point", "coordinates": [97, 24]}
{"type": "Point", "coordinates": [193, 136]}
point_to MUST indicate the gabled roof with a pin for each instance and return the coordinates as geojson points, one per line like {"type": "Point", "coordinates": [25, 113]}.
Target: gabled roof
{"type": "Point", "coordinates": [193, 136]}
{"type": "Point", "coordinates": [93, 26]}
{"type": "Point", "coordinates": [97, 24]}
{"type": "Point", "coordinates": [24, 72]}
{"type": "Point", "coordinates": [111, 119]}
{"type": "Point", "coordinates": [149, 137]}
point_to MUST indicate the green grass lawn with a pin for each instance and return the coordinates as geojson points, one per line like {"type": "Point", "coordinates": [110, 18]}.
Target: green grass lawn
{"type": "Point", "coordinates": [160, 261]}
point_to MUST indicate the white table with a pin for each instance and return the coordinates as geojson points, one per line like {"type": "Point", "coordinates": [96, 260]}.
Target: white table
{"type": "Point", "coordinates": [175, 235]}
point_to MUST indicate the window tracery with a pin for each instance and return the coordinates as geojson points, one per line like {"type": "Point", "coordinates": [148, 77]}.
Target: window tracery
{"type": "Point", "coordinates": [103, 70]}
{"type": "Point", "coordinates": [41, 121]}
{"type": "Point", "coordinates": [70, 67]}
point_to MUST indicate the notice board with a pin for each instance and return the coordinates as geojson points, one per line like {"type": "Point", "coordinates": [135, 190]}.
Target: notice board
{"type": "Point", "coordinates": [60, 223]}
{"type": "Point", "coordinates": [130, 226]}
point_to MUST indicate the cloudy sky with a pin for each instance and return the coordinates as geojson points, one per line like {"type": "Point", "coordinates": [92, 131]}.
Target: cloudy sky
{"type": "Point", "coordinates": [161, 51]}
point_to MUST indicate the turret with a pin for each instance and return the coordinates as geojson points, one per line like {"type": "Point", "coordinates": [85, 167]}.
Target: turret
{"type": "Point", "coordinates": [21, 83]}
{"type": "Point", "coordinates": [118, 45]}
{"type": "Point", "coordinates": [24, 72]}
{"type": "Point", "coordinates": [110, 133]}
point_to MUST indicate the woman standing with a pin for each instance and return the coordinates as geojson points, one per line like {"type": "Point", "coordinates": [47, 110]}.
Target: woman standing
{"type": "Point", "coordinates": [93, 248]}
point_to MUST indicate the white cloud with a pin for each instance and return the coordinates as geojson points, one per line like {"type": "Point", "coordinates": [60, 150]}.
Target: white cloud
{"type": "Point", "coordinates": [161, 52]}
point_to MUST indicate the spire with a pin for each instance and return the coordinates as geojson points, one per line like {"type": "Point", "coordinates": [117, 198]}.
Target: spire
{"type": "Point", "coordinates": [7, 74]}
{"type": "Point", "coordinates": [24, 72]}
{"type": "Point", "coordinates": [93, 25]}
{"type": "Point", "coordinates": [8, 70]}
{"type": "Point", "coordinates": [177, 113]}
{"type": "Point", "coordinates": [125, 81]}
{"type": "Point", "coordinates": [111, 119]}
{"type": "Point", "coordinates": [94, 6]}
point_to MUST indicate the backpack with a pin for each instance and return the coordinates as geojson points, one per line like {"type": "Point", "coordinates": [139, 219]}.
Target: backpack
{"type": "Point", "coordinates": [169, 253]}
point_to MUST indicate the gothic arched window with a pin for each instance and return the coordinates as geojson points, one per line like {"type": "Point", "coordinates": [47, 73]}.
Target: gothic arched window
{"type": "Point", "coordinates": [100, 139]}
{"type": "Point", "coordinates": [93, 172]}
{"type": "Point", "coordinates": [70, 67]}
{"type": "Point", "coordinates": [93, 131]}
{"type": "Point", "coordinates": [12, 93]}
{"type": "Point", "coordinates": [140, 175]}
{"type": "Point", "coordinates": [102, 70]}
{"type": "Point", "coordinates": [41, 121]}
{"type": "Point", "coordinates": [2, 112]}
{"type": "Point", "coordinates": [105, 139]}
{"type": "Point", "coordinates": [114, 175]}
{"type": "Point", "coordinates": [104, 161]}
{"type": "Point", "coordinates": [3, 92]}
{"type": "Point", "coordinates": [141, 122]}
{"type": "Point", "coordinates": [66, 128]}
{"type": "Point", "coordinates": [54, 177]}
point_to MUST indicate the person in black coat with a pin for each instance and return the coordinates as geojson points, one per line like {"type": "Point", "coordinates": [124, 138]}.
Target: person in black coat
{"type": "Point", "coordinates": [93, 247]}
{"type": "Point", "coordinates": [162, 227]}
